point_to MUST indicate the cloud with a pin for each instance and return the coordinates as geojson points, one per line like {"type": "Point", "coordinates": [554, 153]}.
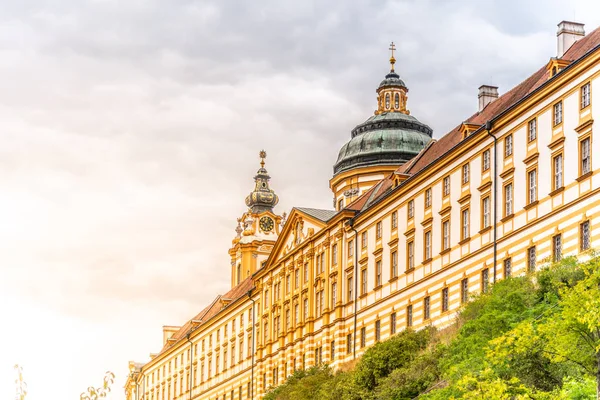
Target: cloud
{"type": "Point", "coordinates": [130, 133]}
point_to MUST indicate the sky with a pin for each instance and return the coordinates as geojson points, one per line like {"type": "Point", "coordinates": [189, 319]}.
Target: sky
{"type": "Point", "coordinates": [130, 133]}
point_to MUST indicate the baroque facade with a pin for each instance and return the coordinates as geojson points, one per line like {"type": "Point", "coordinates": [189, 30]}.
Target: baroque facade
{"type": "Point", "coordinates": [419, 224]}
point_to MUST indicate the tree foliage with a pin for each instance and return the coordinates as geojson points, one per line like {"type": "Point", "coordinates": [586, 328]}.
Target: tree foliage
{"type": "Point", "coordinates": [530, 337]}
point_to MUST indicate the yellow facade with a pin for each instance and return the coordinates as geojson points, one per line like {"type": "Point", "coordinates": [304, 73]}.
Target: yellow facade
{"type": "Point", "coordinates": [408, 250]}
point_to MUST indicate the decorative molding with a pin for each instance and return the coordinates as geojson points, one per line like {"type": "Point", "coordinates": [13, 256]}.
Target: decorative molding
{"type": "Point", "coordinates": [507, 172]}
{"type": "Point", "coordinates": [583, 127]}
{"type": "Point", "coordinates": [557, 142]}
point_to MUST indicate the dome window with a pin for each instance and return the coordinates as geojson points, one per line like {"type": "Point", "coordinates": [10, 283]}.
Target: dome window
{"type": "Point", "coordinates": [396, 101]}
{"type": "Point", "coordinates": [387, 101]}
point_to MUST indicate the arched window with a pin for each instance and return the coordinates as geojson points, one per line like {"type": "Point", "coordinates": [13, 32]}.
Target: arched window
{"type": "Point", "coordinates": [387, 101]}
{"type": "Point", "coordinates": [397, 101]}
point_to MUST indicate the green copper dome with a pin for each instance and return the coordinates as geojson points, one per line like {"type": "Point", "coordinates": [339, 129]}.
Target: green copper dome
{"type": "Point", "coordinates": [390, 138]}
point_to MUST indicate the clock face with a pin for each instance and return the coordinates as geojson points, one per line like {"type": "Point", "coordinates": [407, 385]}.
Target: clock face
{"type": "Point", "coordinates": [266, 224]}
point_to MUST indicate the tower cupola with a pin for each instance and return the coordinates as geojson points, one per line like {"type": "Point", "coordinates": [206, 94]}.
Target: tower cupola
{"type": "Point", "coordinates": [262, 198]}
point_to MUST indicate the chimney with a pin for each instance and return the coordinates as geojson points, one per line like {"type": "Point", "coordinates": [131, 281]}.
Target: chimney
{"type": "Point", "coordinates": [486, 95]}
{"type": "Point", "coordinates": [568, 33]}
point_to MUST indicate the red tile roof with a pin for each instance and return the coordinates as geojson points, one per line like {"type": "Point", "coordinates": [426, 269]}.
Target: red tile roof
{"type": "Point", "coordinates": [436, 149]}
{"type": "Point", "coordinates": [209, 312]}
{"type": "Point", "coordinates": [452, 138]}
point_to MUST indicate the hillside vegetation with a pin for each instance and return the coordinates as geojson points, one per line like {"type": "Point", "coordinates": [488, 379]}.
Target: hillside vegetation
{"type": "Point", "coordinates": [530, 337]}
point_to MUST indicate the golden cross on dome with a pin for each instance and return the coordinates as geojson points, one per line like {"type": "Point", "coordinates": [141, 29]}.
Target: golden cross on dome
{"type": "Point", "coordinates": [392, 59]}
{"type": "Point", "coordinates": [262, 155]}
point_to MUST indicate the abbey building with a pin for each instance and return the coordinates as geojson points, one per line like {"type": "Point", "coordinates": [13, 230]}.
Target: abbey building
{"type": "Point", "coordinates": [419, 225]}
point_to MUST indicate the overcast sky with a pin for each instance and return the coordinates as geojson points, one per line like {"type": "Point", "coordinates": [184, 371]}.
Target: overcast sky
{"type": "Point", "coordinates": [130, 133]}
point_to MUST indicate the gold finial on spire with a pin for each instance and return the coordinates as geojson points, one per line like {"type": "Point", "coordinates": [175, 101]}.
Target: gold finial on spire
{"type": "Point", "coordinates": [262, 155]}
{"type": "Point", "coordinates": [392, 59]}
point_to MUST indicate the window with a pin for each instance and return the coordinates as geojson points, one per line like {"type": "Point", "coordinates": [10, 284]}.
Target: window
{"type": "Point", "coordinates": [239, 273]}
{"type": "Point", "coordinates": [409, 315]}
{"type": "Point", "coordinates": [397, 101]}
{"type": "Point", "coordinates": [532, 186]}
{"type": "Point", "coordinates": [444, 299]}
{"type": "Point", "coordinates": [446, 235]}
{"type": "Point", "coordinates": [333, 294]}
{"type": "Point", "coordinates": [508, 200]}
{"type": "Point", "coordinates": [288, 285]}
{"type": "Point", "coordinates": [584, 236]}
{"type": "Point", "coordinates": [378, 231]}
{"type": "Point", "coordinates": [532, 130]}
{"type": "Point", "coordinates": [410, 255]}
{"type": "Point", "coordinates": [531, 259]}
{"type": "Point", "coordinates": [333, 350]}
{"type": "Point", "coordinates": [305, 309]}
{"type": "Point", "coordinates": [387, 101]}
{"type": "Point", "coordinates": [585, 95]}
{"type": "Point", "coordinates": [377, 330]}
{"type": "Point", "coordinates": [364, 240]}
{"type": "Point", "coordinates": [351, 248]}
{"type": "Point", "coordinates": [465, 174]}
{"type": "Point", "coordinates": [557, 248]}
{"type": "Point", "coordinates": [584, 154]}
{"type": "Point", "coordinates": [485, 280]}
{"type": "Point", "coordinates": [446, 186]}
{"type": "Point", "coordinates": [249, 345]}
{"type": "Point", "coordinates": [508, 146]}
{"type": "Point", "coordinates": [297, 278]}
{"type": "Point", "coordinates": [507, 267]}
{"type": "Point", "coordinates": [427, 247]}
{"type": "Point", "coordinates": [558, 113]}
{"type": "Point", "coordinates": [241, 350]}
{"type": "Point", "coordinates": [363, 281]}
{"type": "Point", "coordinates": [296, 314]}
{"type": "Point", "coordinates": [378, 280]}
{"type": "Point", "coordinates": [428, 198]}
{"type": "Point", "coordinates": [411, 209]}
{"type": "Point", "coordinates": [393, 323]}
{"type": "Point", "coordinates": [275, 375]}
{"type": "Point", "coordinates": [465, 233]}
{"type": "Point", "coordinates": [485, 212]}
{"type": "Point", "coordinates": [305, 272]}
{"type": "Point", "coordinates": [349, 343]}
{"type": "Point", "coordinates": [557, 166]}
{"type": "Point", "coordinates": [319, 303]}
{"type": "Point", "coordinates": [363, 337]}
{"type": "Point", "coordinates": [394, 269]}
{"type": "Point", "coordinates": [322, 264]}
{"type": "Point", "coordinates": [485, 162]}
{"type": "Point", "coordinates": [340, 204]}
{"type": "Point", "coordinates": [288, 319]}
{"type": "Point", "coordinates": [464, 290]}
{"type": "Point", "coordinates": [394, 220]}
{"type": "Point", "coordinates": [427, 308]}
{"type": "Point", "coordinates": [349, 288]}
{"type": "Point", "coordinates": [334, 254]}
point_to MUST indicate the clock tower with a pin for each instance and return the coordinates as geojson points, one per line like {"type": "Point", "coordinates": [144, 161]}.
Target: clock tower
{"type": "Point", "coordinates": [257, 228]}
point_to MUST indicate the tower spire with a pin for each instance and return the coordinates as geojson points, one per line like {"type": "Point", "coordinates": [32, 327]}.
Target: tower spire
{"type": "Point", "coordinates": [262, 198]}
{"type": "Point", "coordinates": [392, 59]}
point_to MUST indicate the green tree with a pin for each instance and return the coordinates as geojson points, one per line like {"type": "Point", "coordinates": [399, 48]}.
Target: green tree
{"type": "Point", "coordinates": [395, 353]}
